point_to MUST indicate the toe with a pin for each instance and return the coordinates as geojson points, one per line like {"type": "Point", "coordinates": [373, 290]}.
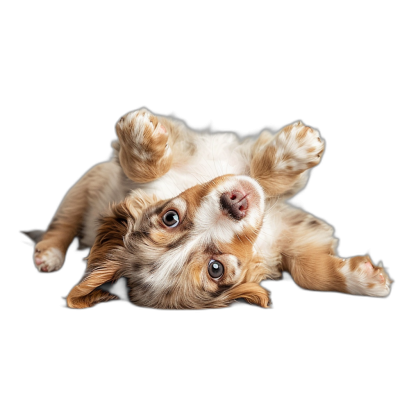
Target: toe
{"type": "Point", "coordinates": [38, 261]}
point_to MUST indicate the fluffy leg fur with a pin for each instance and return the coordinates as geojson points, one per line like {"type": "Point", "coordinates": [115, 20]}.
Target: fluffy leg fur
{"type": "Point", "coordinates": [309, 254]}
{"type": "Point", "coordinates": [150, 144]}
{"type": "Point", "coordinates": [67, 222]}
{"type": "Point", "coordinates": [279, 164]}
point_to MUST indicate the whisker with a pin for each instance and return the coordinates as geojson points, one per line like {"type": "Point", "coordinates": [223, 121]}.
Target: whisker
{"type": "Point", "coordinates": [286, 255]}
{"type": "Point", "coordinates": [249, 240]}
{"type": "Point", "coordinates": [238, 237]}
{"type": "Point", "coordinates": [277, 199]}
{"type": "Point", "coordinates": [197, 179]}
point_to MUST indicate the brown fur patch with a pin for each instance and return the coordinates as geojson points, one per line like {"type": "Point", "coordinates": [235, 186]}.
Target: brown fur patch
{"type": "Point", "coordinates": [251, 292]}
{"type": "Point", "coordinates": [301, 135]}
{"type": "Point", "coordinates": [315, 269]}
{"type": "Point", "coordinates": [107, 258]}
{"type": "Point", "coordinates": [102, 265]}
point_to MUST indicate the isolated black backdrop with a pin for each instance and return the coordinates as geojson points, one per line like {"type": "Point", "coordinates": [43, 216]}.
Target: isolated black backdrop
{"type": "Point", "coordinates": [63, 117]}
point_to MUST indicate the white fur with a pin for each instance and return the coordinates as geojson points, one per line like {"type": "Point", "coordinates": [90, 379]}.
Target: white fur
{"type": "Point", "coordinates": [298, 148]}
{"type": "Point", "coordinates": [52, 259]}
{"type": "Point", "coordinates": [358, 280]}
{"type": "Point", "coordinates": [212, 225]}
{"type": "Point", "coordinates": [217, 154]}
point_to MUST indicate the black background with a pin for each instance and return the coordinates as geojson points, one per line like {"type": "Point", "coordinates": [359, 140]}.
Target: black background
{"type": "Point", "coordinates": [62, 109]}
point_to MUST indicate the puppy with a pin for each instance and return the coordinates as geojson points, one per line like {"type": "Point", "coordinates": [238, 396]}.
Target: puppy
{"type": "Point", "coordinates": [198, 220]}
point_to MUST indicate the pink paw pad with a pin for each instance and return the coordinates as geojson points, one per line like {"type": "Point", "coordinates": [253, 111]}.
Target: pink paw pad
{"type": "Point", "coordinates": [368, 266]}
{"type": "Point", "coordinates": [161, 129]}
{"type": "Point", "coordinates": [38, 261]}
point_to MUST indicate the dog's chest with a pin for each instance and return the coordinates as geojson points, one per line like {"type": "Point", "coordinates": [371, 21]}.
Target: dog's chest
{"type": "Point", "coordinates": [216, 155]}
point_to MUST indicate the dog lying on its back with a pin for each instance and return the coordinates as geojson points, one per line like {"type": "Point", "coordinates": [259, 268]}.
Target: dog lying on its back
{"type": "Point", "coordinates": [199, 219]}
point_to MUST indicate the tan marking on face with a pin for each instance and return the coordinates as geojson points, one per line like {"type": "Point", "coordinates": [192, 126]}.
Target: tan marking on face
{"type": "Point", "coordinates": [162, 237]}
{"type": "Point", "coordinates": [195, 271]}
{"type": "Point", "coordinates": [195, 195]}
{"type": "Point", "coordinates": [241, 245]}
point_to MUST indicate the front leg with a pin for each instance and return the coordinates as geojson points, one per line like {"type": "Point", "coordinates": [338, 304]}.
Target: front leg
{"type": "Point", "coordinates": [145, 152]}
{"type": "Point", "coordinates": [280, 165]}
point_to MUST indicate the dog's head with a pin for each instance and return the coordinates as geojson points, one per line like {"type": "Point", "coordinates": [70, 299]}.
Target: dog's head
{"type": "Point", "coordinates": [193, 251]}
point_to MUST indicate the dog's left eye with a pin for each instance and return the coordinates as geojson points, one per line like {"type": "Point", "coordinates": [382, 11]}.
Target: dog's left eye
{"type": "Point", "coordinates": [171, 219]}
{"type": "Point", "coordinates": [215, 269]}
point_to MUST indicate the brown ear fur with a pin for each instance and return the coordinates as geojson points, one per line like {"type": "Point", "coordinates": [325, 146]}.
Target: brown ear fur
{"type": "Point", "coordinates": [108, 256]}
{"type": "Point", "coordinates": [251, 292]}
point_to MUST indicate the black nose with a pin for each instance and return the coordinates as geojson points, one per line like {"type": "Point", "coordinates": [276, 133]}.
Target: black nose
{"type": "Point", "coordinates": [234, 203]}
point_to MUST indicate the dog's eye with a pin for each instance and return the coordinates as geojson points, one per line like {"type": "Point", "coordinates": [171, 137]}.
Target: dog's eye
{"type": "Point", "coordinates": [171, 219]}
{"type": "Point", "coordinates": [215, 269]}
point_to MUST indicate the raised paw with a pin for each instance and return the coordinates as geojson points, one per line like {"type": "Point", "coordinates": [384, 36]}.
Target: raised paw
{"type": "Point", "coordinates": [300, 146]}
{"type": "Point", "coordinates": [363, 277]}
{"type": "Point", "coordinates": [48, 258]}
{"type": "Point", "coordinates": [145, 153]}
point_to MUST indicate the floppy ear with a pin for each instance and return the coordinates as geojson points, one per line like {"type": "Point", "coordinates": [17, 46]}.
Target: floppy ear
{"type": "Point", "coordinates": [251, 292]}
{"type": "Point", "coordinates": [108, 256]}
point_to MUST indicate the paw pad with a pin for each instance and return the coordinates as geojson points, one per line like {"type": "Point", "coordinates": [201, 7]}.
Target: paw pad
{"type": "Point", "coordinates": [48, 259]}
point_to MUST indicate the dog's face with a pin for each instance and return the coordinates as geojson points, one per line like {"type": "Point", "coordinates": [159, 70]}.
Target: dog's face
{"type": "Point", "coordinates": [193, 251]}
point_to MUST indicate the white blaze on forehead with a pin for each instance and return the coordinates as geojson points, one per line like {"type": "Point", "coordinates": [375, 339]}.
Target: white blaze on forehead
{"type": "Point", "coordinates": [171, 263]}
{"type": "Point", "coordinates": [211, 225]}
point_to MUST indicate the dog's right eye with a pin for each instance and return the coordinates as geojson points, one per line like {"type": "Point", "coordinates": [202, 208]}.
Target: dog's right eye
{"type": "Point", "coordinates": [171, 219]}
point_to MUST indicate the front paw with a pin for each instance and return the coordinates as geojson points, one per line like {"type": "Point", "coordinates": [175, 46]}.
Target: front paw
{"type": "Point", "coordinates": [144, 153]}
{"type": "Point", "coordinates": [143, 134]}
{"type": "Point", "coordinates": [301, 147]}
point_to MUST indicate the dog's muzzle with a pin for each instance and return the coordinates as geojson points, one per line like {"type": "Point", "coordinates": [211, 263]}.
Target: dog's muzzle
{"type": "Point", "coordinates": [235, 204]}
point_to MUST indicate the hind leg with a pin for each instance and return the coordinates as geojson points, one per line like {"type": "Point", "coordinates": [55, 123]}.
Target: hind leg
{"type": "Point", "coordinates": [52, 246]}
{"type": "Point", "coordinates": [309, 254]}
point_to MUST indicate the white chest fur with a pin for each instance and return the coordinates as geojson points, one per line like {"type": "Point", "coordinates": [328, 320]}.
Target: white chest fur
{"type": "Point", "coordinates": [216, 155]}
